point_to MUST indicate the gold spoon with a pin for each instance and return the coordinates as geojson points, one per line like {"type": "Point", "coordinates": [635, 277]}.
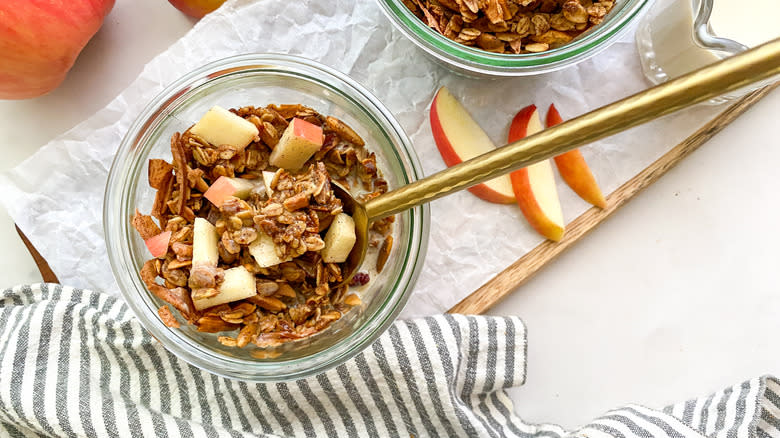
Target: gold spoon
{"type": "Point", "coordinates": [724, 76]}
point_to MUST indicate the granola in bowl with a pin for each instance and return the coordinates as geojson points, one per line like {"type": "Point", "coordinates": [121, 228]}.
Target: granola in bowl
{"type": "Point", "coordinates": [246, 234]}
{"type": "Point", "coordinates": [511, 26]}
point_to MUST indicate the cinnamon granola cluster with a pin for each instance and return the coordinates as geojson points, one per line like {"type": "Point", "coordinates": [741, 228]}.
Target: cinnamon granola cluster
{"type": "Point", "coordinates": [511, 26]}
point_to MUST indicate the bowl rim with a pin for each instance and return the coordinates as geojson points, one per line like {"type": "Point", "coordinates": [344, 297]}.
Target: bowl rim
{"type": "Point", "coordinates": [116, 227]}
{"type": "Point", "coordinates": [479, 61]}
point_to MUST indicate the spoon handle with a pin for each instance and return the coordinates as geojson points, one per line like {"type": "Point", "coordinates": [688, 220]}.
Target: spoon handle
{"type": "Point", "coordinates": [724, 76]}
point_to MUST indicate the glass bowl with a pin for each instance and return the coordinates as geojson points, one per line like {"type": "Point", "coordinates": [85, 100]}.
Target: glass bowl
{"type": "Point", "coordinates": [472, 60]}
{"type": "Point", "coordinates": [260, 80]}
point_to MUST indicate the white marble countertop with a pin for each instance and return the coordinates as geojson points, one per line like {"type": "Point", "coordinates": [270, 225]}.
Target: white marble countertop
{"type": "Point", "coordinates": [675, 296]}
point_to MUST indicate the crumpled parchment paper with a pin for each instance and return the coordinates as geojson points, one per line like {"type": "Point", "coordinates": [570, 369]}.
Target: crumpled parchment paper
{"type": "Point", "coordinates": [56, 196]}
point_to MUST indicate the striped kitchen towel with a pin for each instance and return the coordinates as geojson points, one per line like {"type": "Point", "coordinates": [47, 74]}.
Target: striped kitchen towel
{"type": "Point", "coordinates": [77, 363]}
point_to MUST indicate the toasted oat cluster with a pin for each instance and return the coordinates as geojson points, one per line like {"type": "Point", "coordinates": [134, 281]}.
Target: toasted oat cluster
{"type": "Point", "coordinates": [511, 26]}
{"type": "Point", "coordinates": [241, 245]}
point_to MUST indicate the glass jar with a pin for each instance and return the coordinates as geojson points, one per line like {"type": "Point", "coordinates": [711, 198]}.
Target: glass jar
{"type": "Point", "coordinates": [260, 80]}
{"type": "Point", "coordinates": [473, 60]}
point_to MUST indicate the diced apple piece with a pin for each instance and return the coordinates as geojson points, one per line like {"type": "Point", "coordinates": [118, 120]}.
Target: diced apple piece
{"type": "Point", "coordinates": [263, 249]}
{"type": "Point", "coordinates": [225, 187]}
{"type": "Point", "coordinates": [158, 245]}
{"type": "Point", "coordinates": [459, 138]}
{"type": "Point", "coordinates": [268, 177]}
{"type": "Point", "coordinates": [339, 239]}
{"type": "Point", "coordinates": [219, 126]}
{"type": "Point", "coordinates": [299, 142]}
{"type": "Point", "coordinates": [237, 284]}
{"type": "Point", "coordinates": [574, 170]}
{"type": "Point", "coordinates": [534, 186]}
{"type": "Point", "coordinates": [204, 243]}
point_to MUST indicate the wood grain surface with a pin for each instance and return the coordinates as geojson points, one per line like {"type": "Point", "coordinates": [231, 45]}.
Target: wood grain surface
{"type": "Point", "coordinates": [532, 262]}
{"type": "Point", "coordinates": [47, 275]}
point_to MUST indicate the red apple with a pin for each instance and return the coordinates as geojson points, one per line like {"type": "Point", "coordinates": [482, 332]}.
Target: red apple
{"type": "Point", "coordinates": [158, 245]}
{"type": "Point", "coordinates": [534, 186]}
{"type": "Point", "coordinates": [460, 138]}
{"type": "Point", "coordinates": [225, 187]}
{"type": "Point", "coordinates": [574, 170]}
{"type": "Point", "coordinates": [40, 40]}
{"type": "Point", "coordinates": [196, 8]}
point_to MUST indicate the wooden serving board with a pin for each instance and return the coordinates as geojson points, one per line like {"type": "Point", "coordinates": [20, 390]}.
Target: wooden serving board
{"type": "Point", "coordinates": [524, 268]}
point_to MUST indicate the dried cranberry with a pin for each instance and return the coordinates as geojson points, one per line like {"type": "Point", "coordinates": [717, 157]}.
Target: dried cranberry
{"type": "Point", "coordinates": [360, 279]}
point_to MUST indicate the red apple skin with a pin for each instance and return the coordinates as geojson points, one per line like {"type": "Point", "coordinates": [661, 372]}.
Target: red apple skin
{"type": "Point", "coordinates": [41, 39]}
{"type": "Point", "coordinates": [219, 191]}
{"type": "Point", "coordinates": [451, 158]}
{"type": "Point", "coordinates": [518, 129]}
{"type": "Point", "coordinates": [158, 245]}
{"type": "Point", "coordinates": [306, 130]}
{"type": "Point", "coordinates": [522, 184]}
{"type": "Point", "coordinates": [196, 8]}
{"type": "Point", "coordinates": [574, 170]}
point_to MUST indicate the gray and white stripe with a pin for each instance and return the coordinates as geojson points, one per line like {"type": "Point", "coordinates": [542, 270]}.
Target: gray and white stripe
{"type": "Point", "coordinates": [76, 363]}
{"type": "Point", "coordinates": [748, 409]}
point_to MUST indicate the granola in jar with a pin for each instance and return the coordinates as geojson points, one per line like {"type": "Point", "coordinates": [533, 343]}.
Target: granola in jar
{"type": "Point", "coordinates": [511, 26]}
{"type": "Point", "coordinates": [247, 237]}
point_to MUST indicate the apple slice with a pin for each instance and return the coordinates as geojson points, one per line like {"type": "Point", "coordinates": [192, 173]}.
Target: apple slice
{"type": "Point", "coordinates": [459, 138]}
{"type": "Point", "coordinates": [204, 243]}
{"type": "Point", "coordinates": [263, 249]}
{"type": "Point", "coordinates": [299, 142]}
{"type": "Point", "coordinates": [225, 187]}
{"type": "Point", "coordinates": [534, 186]}
{"type": "Point", "coordinates": [339, 239]}
{"type": "Point", "coordinates": [237, 284]}
{"type": "Point", "coordinates": [574, 170]}
{"type": "Point", "coordinates": [219, 126]}
{"type": "Point", "coordinates": [268, 178]}
{"type": "Point", "coordinates": [158, 245]}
